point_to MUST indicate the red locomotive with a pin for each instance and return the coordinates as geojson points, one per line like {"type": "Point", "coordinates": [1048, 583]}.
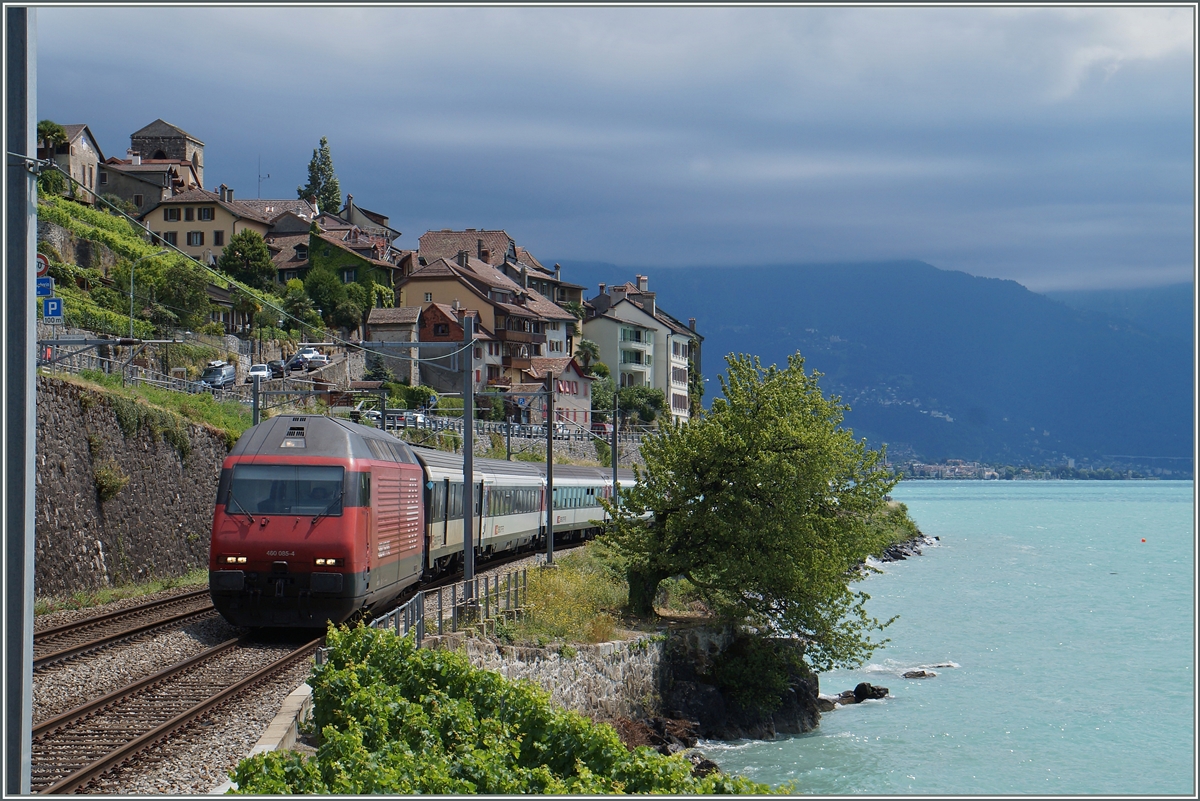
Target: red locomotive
{"type": "Point", "coordinates": [318, 518]}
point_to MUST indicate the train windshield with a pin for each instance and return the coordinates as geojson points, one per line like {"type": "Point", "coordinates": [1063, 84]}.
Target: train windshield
{"type": "Point", "coordinates": [285, 489]}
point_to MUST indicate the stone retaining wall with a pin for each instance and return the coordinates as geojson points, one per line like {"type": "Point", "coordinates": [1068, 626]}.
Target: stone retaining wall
{"type": "Point", "coordinates": [157, 524]}
{"type": "Point", "coordinates": [606, 681]}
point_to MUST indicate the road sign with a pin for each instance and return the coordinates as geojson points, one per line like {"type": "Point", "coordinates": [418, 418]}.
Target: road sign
{"type": "Point", "coordinates": [43, 265]}
{"type": "Point", "coordinates": [45, 287]}
{"type": "Point", "coordinates": [52, 311]}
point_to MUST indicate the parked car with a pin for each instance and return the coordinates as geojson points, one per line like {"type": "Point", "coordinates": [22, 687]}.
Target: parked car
{"type": "Point", "coordinates": [317, 362]}
{"type": "Point", "coordinates": [218, 375]}
{"type": "Point", "coordinates": [602, 429]}
{"type": "Point", "coordinates": [373, 416]}
{"type": "Point", "coordinates": [277, 368]}
{"type": "Point", "coordinates": [297, 362]}
{"type": "Point", "coordinates": [260, 370]}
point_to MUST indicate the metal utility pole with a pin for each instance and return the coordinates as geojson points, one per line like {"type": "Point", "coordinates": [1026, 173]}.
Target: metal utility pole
{"type": "Point", "coordinates": [254, 408]}
{"type": "Point", "coordinates": [468, 454]}
{"type": "Point", "coordinates": [549, 407]}
{"type": "Point", "coordinates": [616, 497]}
{"type": "Point", "coordinates": [20, 219]}
{"type": "Point", "coordinates": [508, 438]}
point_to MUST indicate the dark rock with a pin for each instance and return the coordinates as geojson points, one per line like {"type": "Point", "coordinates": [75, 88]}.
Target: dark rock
{"type": "Point", "coordinates": [848, 697]}
{"type": "Point", "coordinates": [701, 766]}
{"type": "Point", "coordinates": [825, 703]}
{"type": "Point", "coordinates": [702, 703]}
{"type": "Point", "coordinates": [919, 674]}
{"type": "Point", "coordinates": [865, 691]}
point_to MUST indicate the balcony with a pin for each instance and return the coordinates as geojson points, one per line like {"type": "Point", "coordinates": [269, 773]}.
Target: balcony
{"type": "Point", "coordinates": [517, 362]}
{"type": "Point", "coordinates": [520, 336]}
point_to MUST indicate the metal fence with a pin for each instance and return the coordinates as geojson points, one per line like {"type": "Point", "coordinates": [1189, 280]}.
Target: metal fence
{"type": "Point", "coordinates": [462, 605]}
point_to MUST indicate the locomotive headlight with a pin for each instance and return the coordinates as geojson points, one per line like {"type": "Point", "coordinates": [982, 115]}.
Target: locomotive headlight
{"type": "Point", "coordinates": [231, 560]}
{"type": "Point", "coordinates": [329, 562]}
{"type": "Point", "coordinates": [320, 561]}
{"type": "Point", "coordinates": [241, 560]}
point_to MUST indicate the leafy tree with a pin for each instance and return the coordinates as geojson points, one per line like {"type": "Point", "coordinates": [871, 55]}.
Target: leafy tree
{"type": "Point", "coordinates": [51, 134]}
{"type": "Point", "coordinates": [325, 289]}
{"type": "Point", "coordinates": [322, 181]}
{"type": "Point", "coordinates": [576, 308]}
{"type": "Point", "coordinates": [602, 397]}
{"type": "Point", "coordinates": [645, 403]}
{"type": "Point", "coordinates": [247, 259]}
{"type": "Point", "coordinates": [768, 507]}
{"type": "Point", "coordinates": [587, 351]}
{"type": "Point", "coordinates": [600, 370]}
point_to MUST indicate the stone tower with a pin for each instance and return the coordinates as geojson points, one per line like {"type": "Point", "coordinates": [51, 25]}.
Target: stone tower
{"type": "Point", "coordinates": [162, 140]}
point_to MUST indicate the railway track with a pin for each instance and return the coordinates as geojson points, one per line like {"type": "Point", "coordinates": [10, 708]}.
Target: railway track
{"type": "Point", "coordinates": [76, 748]}
{"type": "Point", "coordinates": [72, 639]}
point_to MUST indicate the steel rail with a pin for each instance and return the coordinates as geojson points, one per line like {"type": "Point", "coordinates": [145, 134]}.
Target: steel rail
{"type": "Point", "coordinates": [125, 634]}
{"type": "Point", "coordinates": [93, 770]}
{"type": "Point", "coordinates": [129, 610]}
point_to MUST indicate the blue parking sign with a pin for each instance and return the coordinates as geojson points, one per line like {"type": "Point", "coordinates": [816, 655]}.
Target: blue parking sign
{"type": "Point", "coordinates": [52, 310]}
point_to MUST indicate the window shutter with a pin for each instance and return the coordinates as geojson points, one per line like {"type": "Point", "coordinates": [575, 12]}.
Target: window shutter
{"type": "Point", "coordinates": [165, 217]}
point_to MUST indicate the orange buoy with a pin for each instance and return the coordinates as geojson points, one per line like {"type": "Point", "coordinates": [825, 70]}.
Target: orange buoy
{"type": "Point", "coordinates": [1143, 539]}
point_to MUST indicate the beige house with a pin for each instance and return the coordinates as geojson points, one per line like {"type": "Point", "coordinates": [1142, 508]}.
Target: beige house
{"type": "Point", "coordinates": [200, 223]}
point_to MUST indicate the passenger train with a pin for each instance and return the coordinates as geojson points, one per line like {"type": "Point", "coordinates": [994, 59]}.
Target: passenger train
{"type": "Point", "coordinates": [318, 518]}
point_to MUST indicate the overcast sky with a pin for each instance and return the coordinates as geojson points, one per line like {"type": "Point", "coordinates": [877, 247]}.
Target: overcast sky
{"type": "Point", "coordinates": [1050, 146]}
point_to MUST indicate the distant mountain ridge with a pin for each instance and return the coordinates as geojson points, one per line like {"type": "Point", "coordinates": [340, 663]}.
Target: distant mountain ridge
{"type": "Point", "coordinates": [941, 364]}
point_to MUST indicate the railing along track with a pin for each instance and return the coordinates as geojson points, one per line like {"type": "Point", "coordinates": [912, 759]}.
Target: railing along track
{"type": "Point", "coordinates": [77, 747]}
{"type": "Point", "coordinates": [71, 639]}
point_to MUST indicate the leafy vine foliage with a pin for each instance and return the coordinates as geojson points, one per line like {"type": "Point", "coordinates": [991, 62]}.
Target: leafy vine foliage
{"type": "Point", "coordinates": [396, 719]}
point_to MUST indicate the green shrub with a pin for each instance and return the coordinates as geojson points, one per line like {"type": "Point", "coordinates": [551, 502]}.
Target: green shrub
{"type": "Point", "coordinates": [395, 719]}
{"type": "Point", "coordinates": [109, 480]}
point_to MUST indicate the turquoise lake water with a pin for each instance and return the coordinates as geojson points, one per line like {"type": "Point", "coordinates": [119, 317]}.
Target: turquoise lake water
{"type": "Point", "coordinates": [1071, 641]}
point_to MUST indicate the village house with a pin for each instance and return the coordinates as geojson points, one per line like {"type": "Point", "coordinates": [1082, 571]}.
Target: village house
{"type": "Point", "coordinates": [80, 157]}
{"type": "Point", "coordinates": [642, 344]}
{"type": "Point", "coordinates": [395, 325]}
{"type": "Point", "coordinates": [523, 321]}
{"type": "Point", "coordinates": [499, 250]}
{"type": "Point", "coordinates": [200, 222]}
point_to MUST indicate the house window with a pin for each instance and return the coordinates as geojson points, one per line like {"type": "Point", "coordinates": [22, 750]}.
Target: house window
{"type": "Point", "coordinates": [171, 237]}
{"type": "Point", "coordinates": [288, 275]}
{"type": "Point", "coordinates": [103, 178]}
{"type": "Point", "coordinates": [219, 238]}
{"type": "Point", "coordinates": [429, 297]}
{"type": "Point", "coordinates": [171, 215]}
{"type": "Point", "coordinates": [441, 329]}
{"type": "Point", "coordinates": [195, 238]}
{"type": "Point", "coordinates": [189, 214]}
{"type": "Point", "coordinates": [349, 276]}
{"type": "Point", "coordinates": [301, 251]}
{"type": "Point", "coordinates": [205, 214]}
{"type": "Point", "coordinates": [138, 200]}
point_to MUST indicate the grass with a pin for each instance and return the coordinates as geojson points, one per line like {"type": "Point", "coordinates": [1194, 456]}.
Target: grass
{"type": "Point", "coordinates": [85, 599]}
{"type": "Point", "coordinates": [580, 600]}
{"type": "Point", "coordinates": [229, 417]}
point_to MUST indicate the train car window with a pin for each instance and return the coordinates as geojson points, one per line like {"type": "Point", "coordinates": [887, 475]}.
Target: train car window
{"type": "Point", "coordinates": [286, 489]}
{"type": "Point", "coordinates": [438, 502]}
{"type": "Point", "coordinates": [456, 507]}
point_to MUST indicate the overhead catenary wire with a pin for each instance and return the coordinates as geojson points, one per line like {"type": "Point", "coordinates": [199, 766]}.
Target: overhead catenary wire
{"type": "Point", "coordinates": [234, 282]}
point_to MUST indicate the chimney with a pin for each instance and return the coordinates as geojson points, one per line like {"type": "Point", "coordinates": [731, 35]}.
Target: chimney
{"type": "Point", "coordinates": [462, 258]}
{"type": "Point", "coordinates": [648, 302]}
{"type": "Point", "coordinates": [349, 201]}
{"type": "Point", "coordinates": [692, 323]}
{"type": "Point", "coordinates": [224, 192]}
{"type": "Point", "coordinates": [557, 273]}
{"type": "Point", "coordinates": [312, 201]}
{"type": "Point", "coordinates": [479, 250]}
{"type": "Point", "coordinates": [641, 283]}
{"type": "Point", "coordinates": [455, 306]}
{"type": "Point", "coordinates": [602, 288]}
{"type": "Point", "coordinates": [134, 156]}
{"type": "Point", "coordinates": [485, 255]}
{"type": "Point", "coordinates": [524, 277]}
{"type": "Point", "coordinates": [229, 195]}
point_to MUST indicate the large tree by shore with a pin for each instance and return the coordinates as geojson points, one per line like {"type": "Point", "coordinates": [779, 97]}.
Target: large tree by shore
{"type": "Point", "coordinates": [767, 505]}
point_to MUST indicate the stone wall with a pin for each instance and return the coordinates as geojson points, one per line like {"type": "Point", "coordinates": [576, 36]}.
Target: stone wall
{"type": "Point", "coordinates": [157, 525]}
{"type": "Point", "coordinates": [606, 681]}
{"type": "Point", "coordinates": [72, 248]}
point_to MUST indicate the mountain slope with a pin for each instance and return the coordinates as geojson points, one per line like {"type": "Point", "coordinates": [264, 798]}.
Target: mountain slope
{"type": "Point", "coordinates": [943, 364]}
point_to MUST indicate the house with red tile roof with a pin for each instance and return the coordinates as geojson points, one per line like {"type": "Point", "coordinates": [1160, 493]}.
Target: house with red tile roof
{"type": "Point", "coordinates": [80, 157]}
{"type": "Point", "coordinates": [201, 223]}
